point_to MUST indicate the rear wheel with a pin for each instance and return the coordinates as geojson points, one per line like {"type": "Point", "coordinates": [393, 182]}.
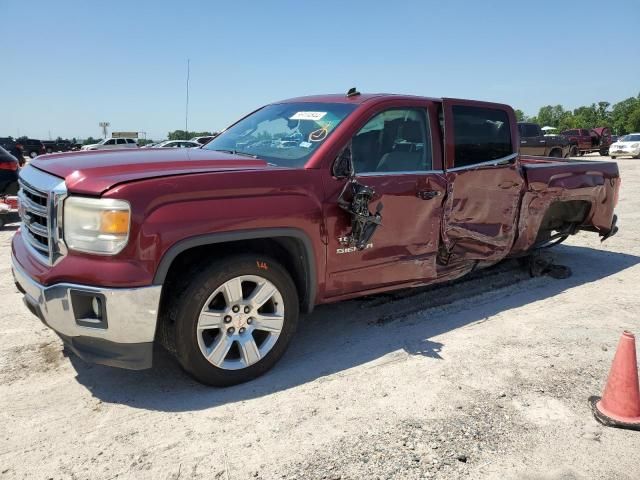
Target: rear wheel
{"type": "Point", "coordinates": [612, 157]}
{"type": "Point", "coordinates": [33, 154]}
{"type": "Point", "coordinates": [574, 151]}
{"type": "Point", "coordinates": [234, 319]}
{"type": "Point", "coordinates": [555, 153]}
{"type": "Point", "coordinates": [604, 152]}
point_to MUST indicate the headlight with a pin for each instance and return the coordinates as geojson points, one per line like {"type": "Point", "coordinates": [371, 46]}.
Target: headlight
{"type": "Point", "coordinates": [635, 145]}
{"type": "Point", "coordinates": [96, 225]}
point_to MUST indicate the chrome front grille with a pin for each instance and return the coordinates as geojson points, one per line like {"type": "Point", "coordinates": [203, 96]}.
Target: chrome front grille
{"type": "Point", "coordinates": [40, 199]}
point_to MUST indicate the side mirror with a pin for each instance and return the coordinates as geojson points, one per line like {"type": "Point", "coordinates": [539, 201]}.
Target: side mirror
{"type": "Point", "coordinates": [343, 166]}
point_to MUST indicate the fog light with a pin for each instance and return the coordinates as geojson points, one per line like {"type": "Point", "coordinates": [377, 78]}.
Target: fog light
{"type": "Point", "coordinates": [96, 306]}
{"type": "Point", "coordinates": [89, 308]}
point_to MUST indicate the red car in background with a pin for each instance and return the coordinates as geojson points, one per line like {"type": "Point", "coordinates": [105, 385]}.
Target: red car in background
{"type": "Point", "coordinates": [589, 140]}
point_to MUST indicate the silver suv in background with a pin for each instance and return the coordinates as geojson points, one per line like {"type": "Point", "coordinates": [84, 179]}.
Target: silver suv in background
{"type": "Point", "coordinates": [112, 143]}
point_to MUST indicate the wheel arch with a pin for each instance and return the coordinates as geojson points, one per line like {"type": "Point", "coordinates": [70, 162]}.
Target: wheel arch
{"type": "Point", "coordinates": [290, 246]}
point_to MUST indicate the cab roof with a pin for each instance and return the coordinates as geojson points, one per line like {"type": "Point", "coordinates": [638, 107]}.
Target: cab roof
{"type": "Point", "coordinates": [355, 99]}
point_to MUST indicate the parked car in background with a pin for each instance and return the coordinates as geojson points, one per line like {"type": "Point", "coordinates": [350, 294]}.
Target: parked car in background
{"type": "Point", "coordinates": [589, 141]}
{"type": "Point", "coordinates": [32, 147]}
{"type": "Point", "coordinates": [203, 140]}
{"type": "Point", "coordinates": [213, 252]}
{"type": "Point", "coordinates": [177, 144]}
{"type": "Point", "coordinates": [112, 144]}
{"type": "Point", "coordinates": [14, 148]}
{"type": "Point", "coordinates": [52, 146]}
{"type": "Point", "coordinates": [627, 146]}
{"type": "Point", "coordinates": [533, 141]}
{"type": "Point", "coordinates": [9, 168]}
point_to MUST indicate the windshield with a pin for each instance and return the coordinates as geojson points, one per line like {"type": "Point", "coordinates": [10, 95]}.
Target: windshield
{"type": "Point", "coordinates": [284, 134]}
{"type": "Point", "coordinates": [630, 138]}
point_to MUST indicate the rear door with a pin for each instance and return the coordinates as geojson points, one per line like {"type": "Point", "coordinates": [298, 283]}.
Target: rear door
{"type": "Point", "coordinates": [484, 180]}
{"type": "Point", "coordinates": [393, 153]}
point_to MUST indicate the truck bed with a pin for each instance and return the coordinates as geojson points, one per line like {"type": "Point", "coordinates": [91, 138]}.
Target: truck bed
{"type": "Point", "coordinates": [573, 186]}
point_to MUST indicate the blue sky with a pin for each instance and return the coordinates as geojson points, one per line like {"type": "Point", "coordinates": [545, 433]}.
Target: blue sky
{"type": "Point", "coordinates": [67, 65]}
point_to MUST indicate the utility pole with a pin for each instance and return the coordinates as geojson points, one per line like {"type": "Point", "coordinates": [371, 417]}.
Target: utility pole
{"type": "Point", "coordinates": [186, 112]}
{"type": "Point", "coordinates": [104, 126]}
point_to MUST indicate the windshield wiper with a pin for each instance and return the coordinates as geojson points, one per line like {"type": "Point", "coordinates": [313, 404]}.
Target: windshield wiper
{"type": "Point", "coordinates": [236, 152]}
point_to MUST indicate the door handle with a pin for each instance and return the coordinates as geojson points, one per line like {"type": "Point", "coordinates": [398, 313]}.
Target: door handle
{"type": "Point", "coordinates": [428, 194]}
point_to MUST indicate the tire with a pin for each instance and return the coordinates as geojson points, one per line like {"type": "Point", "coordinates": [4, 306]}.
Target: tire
{"type": "Point", "coordinates": [612, 157]}
{"type": "Point", "coordinates": [573, 152]}
{"type": "Point", "coordinates": [604, 152]}
{"type": "Point", "coordinates": [555, 153]}
{"type": "Point", "coordinates": [49, 150]}
{"type": "Point", "coordinates": [33, 154]}
{"type": "Point", "coordinates": [581, 153]}
{"type": "Point", "coordinates": [240, 350]}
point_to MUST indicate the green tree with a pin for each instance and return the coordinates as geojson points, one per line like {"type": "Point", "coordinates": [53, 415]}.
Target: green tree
{"type": "Point", "coordinates": [551, 115]}
{"type": "Point", "coordinates": [182, 135]}
{"type": "Point", "coordinates": [520, 116]}
{"type": "Point", "coordinates": [90, 141]}
{"type": "Point", "coordinates": [622, 114]}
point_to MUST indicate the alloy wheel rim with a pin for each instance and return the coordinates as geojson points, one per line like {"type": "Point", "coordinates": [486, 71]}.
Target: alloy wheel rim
{"type": "Point", "coordinates": [240, 322]}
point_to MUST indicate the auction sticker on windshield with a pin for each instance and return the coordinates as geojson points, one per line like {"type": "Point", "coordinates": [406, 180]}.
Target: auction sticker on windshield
{"type": "Point", "coordinates": [308, 116]}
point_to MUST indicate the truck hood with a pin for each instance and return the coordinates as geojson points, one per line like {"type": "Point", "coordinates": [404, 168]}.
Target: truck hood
{"type": "Point", "coordinates": [93, 172]}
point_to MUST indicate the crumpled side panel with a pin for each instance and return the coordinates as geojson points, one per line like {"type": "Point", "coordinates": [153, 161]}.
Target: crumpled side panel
{"type": "Point", "coordinates": [481, 211]}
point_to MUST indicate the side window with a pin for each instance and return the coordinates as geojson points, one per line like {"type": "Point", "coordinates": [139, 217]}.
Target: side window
{"type": "Point", "coordinates": [480, 135]}
{"type": "Point", "coordinates": [130, 140]}
{"type": "Point", "coordinates": [121, 141]}
{"type": "Point", "coordinates": [528, 130]}
{"type": "Point", "coordinates": [396, 140]}
{"type": "Point", "coordinates": [110, 142]}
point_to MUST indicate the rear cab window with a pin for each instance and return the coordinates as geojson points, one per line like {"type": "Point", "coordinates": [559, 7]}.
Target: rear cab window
{"type": "Point", "coordinates": [481, 135]}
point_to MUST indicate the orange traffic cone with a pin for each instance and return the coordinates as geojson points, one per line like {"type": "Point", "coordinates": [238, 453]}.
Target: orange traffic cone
{"type": "Point", "coordinates": [620, 403]}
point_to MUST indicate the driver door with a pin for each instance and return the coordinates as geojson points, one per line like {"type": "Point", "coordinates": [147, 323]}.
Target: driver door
{"type": "Point", "coordinates": [392, 153]}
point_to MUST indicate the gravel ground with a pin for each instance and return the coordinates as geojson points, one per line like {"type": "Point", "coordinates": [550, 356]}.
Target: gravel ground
{"type": "Point", "coordinates": [484, 379]}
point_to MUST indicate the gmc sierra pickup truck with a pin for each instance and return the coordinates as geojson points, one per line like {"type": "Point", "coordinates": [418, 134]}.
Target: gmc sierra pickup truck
{"type": "Point", "coordinates": [214, 252]}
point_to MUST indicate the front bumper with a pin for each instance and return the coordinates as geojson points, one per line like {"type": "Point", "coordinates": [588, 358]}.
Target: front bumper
{"type": "Point", "coordinates": [624, 153]}
{"type": "Point", "coordinates": [121, 337]}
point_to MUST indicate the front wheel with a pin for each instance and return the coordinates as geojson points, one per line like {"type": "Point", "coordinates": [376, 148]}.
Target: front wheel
{"type": "Point", "coordinates": [604, 152]}
{"type": "Point", "coordinates": [33, 154]}
{"type": "Point", "coordinates": [573, 152]}
{"type": "Point", "coordinates": [612, 157]}
{"type": "Point", "coordinates": [235, 319]}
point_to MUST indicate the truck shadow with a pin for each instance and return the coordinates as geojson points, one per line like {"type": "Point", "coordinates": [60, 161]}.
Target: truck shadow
{"type": "Point", "coordinates": [374, 330]}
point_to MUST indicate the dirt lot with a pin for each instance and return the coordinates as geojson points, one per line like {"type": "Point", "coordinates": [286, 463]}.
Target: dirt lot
{"type": "Point", "coordinates": [485, 379]}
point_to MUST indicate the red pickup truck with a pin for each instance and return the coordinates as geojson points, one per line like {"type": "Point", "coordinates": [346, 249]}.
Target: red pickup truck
{"type": "Point", "coordinates": [214, 252]}
{"type": "Point", "coordinates": [588, 141]}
